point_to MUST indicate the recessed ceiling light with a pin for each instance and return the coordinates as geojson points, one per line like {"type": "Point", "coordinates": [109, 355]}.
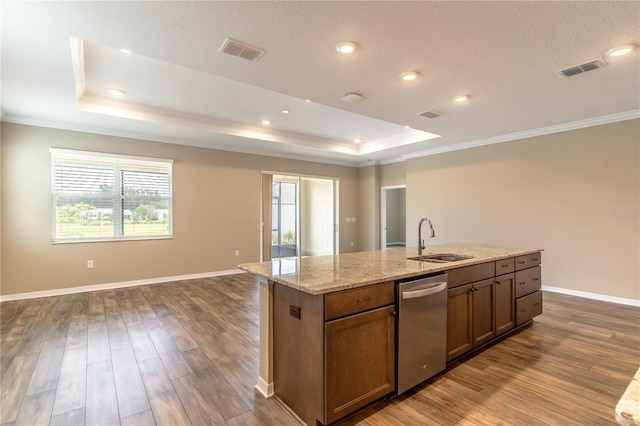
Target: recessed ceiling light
{"type": "Point", "coordinates": [621, 50]}
{"type": "Point", "coordinates": [117, 92]}
{"type": "Point", "coordinates": [307, 100]}
{"type": "Point", "coordinates": [407, 127]}
{"type": "Point", "coordinates": [125, 51]}
{"type": "Point", "coordinates": [346, 47]}
{"type": "Point", "coordinates": [357, 140]}
{"type": "Point", "coordinates": [266, 122]}
{"type": "Point", "coordinates": [409, 75]}
{"type": "Point", "coordinates": [352, 97]}
{"type": "Point", "coordinates": [285, 111]}
{"type": "Point", "coordinates": [461, 98]}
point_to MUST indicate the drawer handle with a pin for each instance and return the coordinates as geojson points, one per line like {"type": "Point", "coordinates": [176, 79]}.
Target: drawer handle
{"type": "Point", "coordinates": [522, 283]}
{"type": "Point", "coordinates": [505, 266]}
{"type": "Point", "coordinates": [498, 282]}
{"type": "Point", "coordinates": [523, 310]}
{"type": "Point", "coordinates": [534, 279]}
{"type": "Point", "coordinates": [535, 259]}
{"type": "Point", "coordinates": [363, 300]}
{"type": "Point", "coordinates": [521, 262]}
{"type": "Point", "coordinates": [536, 304]}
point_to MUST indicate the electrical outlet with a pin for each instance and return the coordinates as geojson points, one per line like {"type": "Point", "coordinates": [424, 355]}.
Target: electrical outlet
{"type": "Point", "coordinates": [352, 244]}
{"type": "Point", "coordinates": [89, 264]}
{"type": "Point", "coordinates": [353, 219]}
{"type": "Point", "coordinates": [237, 252]}
{"type": "Point", "coordinates": [348, 219]}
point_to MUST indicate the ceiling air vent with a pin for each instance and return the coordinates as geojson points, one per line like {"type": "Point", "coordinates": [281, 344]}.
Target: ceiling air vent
{"type": "Point", "coordinates": [431, 113]}
{"type": "Point", "coordinates": [241, 50]}
{"type": "Point", "coordinates": [579, 69]}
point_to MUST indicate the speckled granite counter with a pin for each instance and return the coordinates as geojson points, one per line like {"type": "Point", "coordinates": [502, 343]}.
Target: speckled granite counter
{"type": "Point", "coordinates": [628, 408]}
{"type": "Point", "coordinates": [324, 274]}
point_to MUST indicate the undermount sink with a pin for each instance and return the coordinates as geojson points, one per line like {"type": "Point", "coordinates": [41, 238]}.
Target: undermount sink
{"type": "Point", "coordinates": [440, 258]}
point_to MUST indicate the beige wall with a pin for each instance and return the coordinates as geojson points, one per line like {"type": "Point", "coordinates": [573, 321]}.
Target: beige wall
{"type": "Point", "coordinates": [576, 194]}
{"type": "Point", "coordinates": [216, 211]}
{"type": "Point", "coordinates": [393, 174]}
{"type": "Point", "coordinates": [369, 208]}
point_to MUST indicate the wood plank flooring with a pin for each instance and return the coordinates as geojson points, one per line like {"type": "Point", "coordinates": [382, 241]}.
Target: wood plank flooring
{"type": "Point", "coordinates": [187, 353]}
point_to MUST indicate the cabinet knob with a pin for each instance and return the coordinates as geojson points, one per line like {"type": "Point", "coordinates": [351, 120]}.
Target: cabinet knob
{"type": "Point", "coordinates": [394, 313]}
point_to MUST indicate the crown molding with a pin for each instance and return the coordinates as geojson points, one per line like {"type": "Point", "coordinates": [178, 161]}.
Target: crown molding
{"type": "Point", "coordinates": [558, 128]}
{"type": "Point", "coordinates": [174, 141]}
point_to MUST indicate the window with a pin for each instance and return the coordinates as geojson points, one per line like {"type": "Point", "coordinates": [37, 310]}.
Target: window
{"type": "Point", "coordinates": [100, 197]}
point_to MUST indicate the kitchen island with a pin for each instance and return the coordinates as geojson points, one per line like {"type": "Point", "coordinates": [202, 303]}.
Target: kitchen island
{"type": "Point", "coordinates": [331, 316]}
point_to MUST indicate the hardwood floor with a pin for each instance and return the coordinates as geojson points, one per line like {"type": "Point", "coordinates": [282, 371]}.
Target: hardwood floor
{"type": "Point", "coordinates": [187, 353]}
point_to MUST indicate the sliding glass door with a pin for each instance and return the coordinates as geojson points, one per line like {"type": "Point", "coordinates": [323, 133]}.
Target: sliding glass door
{"type": "Point", "coordinates": [284, 218]}
{"type": "Point", "coordinates": [302, 216]}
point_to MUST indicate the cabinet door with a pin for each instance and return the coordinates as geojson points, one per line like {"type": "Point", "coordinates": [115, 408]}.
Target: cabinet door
{"type": "Point", "coordinates": [483, 311]}
{"type": "Point", "coordinates": [504, 302]}
{"type": "Point", "coordinates": [359, 361]}
{"type": "Point", "coordinates": [459, 321]}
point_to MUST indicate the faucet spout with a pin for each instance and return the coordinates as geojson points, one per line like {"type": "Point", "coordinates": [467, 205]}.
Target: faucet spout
{"type": "Point", "coordinates": [421, 245]}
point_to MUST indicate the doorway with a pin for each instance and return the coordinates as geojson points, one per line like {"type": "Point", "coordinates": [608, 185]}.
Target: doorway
{"type": "Point", "coordinates": [393, 216]}
{"type": "Point", "coordinates": [302, 212]}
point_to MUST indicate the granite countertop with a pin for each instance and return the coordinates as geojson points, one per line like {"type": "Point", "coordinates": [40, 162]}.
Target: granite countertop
{"type": "Point", "coordinates": [628, 408]}
{"type": "Point", "coordinates": [324, 274]}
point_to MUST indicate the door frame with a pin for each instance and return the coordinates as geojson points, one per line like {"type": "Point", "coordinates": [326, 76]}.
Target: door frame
{"type": "Point", "coordinates": [383, 213]}
{"type": "Point", "coordinates": [299, 176]}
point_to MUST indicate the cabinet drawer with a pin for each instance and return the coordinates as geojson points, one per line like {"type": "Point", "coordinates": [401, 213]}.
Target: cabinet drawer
{"type": "Point", "coordinates": [528, 261]}
{"type": "Point", "coordinates": [348, 302]}
{"type": "Point", "coordinates": [528, 307]}
{"type": "Point", "coordinates": [527, 281]}
{"type": "Point", "coordinates": [505, 266]}
{"type": "Point", "coordinates": [469, 274]}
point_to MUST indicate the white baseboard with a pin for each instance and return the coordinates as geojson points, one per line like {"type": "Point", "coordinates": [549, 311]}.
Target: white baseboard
{"type": "Point", "coordinates": [107, 286]}
{"type": "Point", "coordinates": [265, 389]}
{"type": "Point", "coordinates": [596, 296]}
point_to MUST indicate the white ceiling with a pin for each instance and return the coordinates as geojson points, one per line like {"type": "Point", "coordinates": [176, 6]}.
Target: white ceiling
{"type": "Point", "coordinates": [60, 58]}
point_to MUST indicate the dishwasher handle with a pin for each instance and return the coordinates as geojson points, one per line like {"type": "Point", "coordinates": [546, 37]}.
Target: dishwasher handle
{"type": "Point", "coordinates": [422, 291]}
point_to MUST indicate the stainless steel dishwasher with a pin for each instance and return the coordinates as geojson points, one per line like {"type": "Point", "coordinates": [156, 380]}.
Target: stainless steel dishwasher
{"type": "Point", "coordinates": [422, 329]}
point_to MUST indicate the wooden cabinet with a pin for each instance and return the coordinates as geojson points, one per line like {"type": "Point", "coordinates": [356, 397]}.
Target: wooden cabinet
{"type": "Point", "coordinates": [333, 353]}
{"type": "Point", "coordinates": [470, 317]}
{"type": "Point", "coordinates": [483, 310]}
{"type": "Point", "coordinates": [504, 302]}
{"type": "Point", "coordinates": [359, 361]}
{"type": "Point", "coordinates": [459, 321]}
{"type": "Point", "coordinates": [528, 280]}
{"type": "Point", "coordinates": [489, 299]}
{"type": "Point", "coordinates": [528, 307]}
{"type": "Point", "coordinates": [528, 261]}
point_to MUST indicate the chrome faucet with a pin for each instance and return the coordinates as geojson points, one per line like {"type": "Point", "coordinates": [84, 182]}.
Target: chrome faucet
{"type": "Point", "coordinates": [420, 240]}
